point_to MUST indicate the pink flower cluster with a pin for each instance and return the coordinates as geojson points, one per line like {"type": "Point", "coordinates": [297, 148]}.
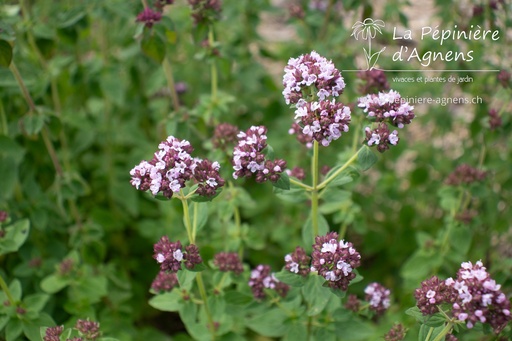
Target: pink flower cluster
{"type": "Point", "coordinates": [473, 295]}
{"type": "Point", "coordinates": [164, 281]}
{"type": "Point", "coordinates": [228, 261]}
{"type": "Point", "coordinates": [172, 166]}
{"type": "Point", "coordinates": [311, 72]}
{"type": "Point", "coordinates": [378, 297]}
{"type": "Point", "coordinates": [383, 108]}
{"type": "Point", "coordinates": [298, 262]}
{"type": "Point", "coordinates": [479, 298]}
{"type": "Point", "coordinates": [262, 278]}
{"type": "Point", "coordinates": [311, 82]}
{"type": "Point", "coordinates": [171, 256]}
{"type": "Point", "coordinates": [335, 260]}
{"type": "Point", "coordinates": [248, 157]}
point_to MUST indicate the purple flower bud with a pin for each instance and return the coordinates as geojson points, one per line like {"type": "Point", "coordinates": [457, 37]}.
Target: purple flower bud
{"type": "Point", "coordinates": [89, 329]}
{"type": "Point", "coordinates": [465, 175]}
{"type": "Point", "coordinates": [396, 333]}
{"type": "Point", "coordinates": [381, 137]}
{"type": "Point", "coordinates": [374, 81]}
{"type": "Point", "coordinates": [228, 261]}
{"type": "Point", "coordinates": [164, 281]}
{"type": "Point", "coordinates": [53, 333]}
{"type": "Point", "coordinates": [149, 17]}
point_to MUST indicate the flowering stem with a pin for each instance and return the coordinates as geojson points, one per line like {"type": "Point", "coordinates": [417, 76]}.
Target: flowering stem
{"type": "Point", "coordinates": [338, 172]}
{"type": "Point", "coordinates": [298, 183]}
{"type": "Point", "coordinates": [446, 330]}
{"type": "Point", "coordinates": [194, 221]}
{"type": "Point", "coordinates": [199, 278]}
{"type": "Point", "coordinates": [5, 289]}
{"type": "Point", "coordinates": [33, 109]}
{"type": "Point", "coordinates": [202, 292]}
{"type": "Point", "coordinates": [170, 83]}
{"type": "Point", "coordinates": [314, 191]}
{"type": "Point", "coordinates": [186, 215]}
{"type": "Point", "coordinates": [3, 121]}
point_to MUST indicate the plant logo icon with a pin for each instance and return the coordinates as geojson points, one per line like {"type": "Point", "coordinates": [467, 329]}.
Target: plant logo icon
{"type": "Point", "coordinates": [367, 30]}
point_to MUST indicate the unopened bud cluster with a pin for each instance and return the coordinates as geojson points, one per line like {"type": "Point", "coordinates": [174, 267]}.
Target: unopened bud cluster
{"type": "Point", "coordinates": [228, 262]}
{"type": "Point", "coordinates": [465, 175]}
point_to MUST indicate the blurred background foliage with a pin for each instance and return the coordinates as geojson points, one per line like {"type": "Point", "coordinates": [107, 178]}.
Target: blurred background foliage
{"type": "Point", "coordinates": [103, 104]}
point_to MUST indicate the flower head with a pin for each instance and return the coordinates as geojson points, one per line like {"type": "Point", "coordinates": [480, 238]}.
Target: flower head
{"type": "Point", "coordinates": [396, 333]}
{"type": "Point", "coordinates": [381, 137]}
{"type": "Point", "coordinates": [432, 293]}
{"type": "Point", "coordinates": [228, 261]}
{"type": "Point", "coordinates": [374, 81]}
{"type": "Point", "coordinates": [164, 281]}
{"type": "Point", "coordinates": [335, 260]}
{"type": "Point", "coordinates": [149, 17]}
{"type": "Point", "coordinates": [494, 119]}
{"type": "Point", "coordinates": [479, 298]}
{"type": "Point", "coordinates": [387, 107]}
{"type": "Point", "coordinates": [170, 255]}
{"type": "Point", "coordinates": [323, 121]}
{"type": "Point", "coordinates": [311, 72]}
{"type": "Point", "coordinates": [172, 166]}
{"type": "Point", "coordinates": [465, 175]}
{"type": "Point", "coordinates": [204, 11]}
{"type": "Point", "coordinates": [89, 329]}
{"type": "Point", "coordinates": [249, 159]}
{"type": "Point", "coordinates": [504, 78]}
{"type": "Point", "coordinates": [225, 135]}
{"type": "Point", "coordinates": [378, 297]}
{"type": "Point", "coordinates": [298, 262]}
{"type": "Point", "coordinates": [53, 333]}
{"type": "Point", "coordinates": [262, 278]}
{"type": "Point", "coordinates": [367, 28]}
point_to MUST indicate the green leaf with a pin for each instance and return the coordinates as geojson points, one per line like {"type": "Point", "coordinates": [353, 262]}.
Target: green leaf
{"type": "Point", "coordinates": [435, 320]}
{"type": "Point", "coordinates": [270, 323]}
{"type": "Point", "coordinates": [153, 47]}
{"type": "Point", "coordinates": [5, 53]}
{"type": "Point", "coordinates": [307, 230]}
{"type": "Point", "coordinates": [416, 313]}
{"type": "Point", "coordinates": [297, 332]}
{"type": "Point", "coordinates": [293, 280]}
{"type": "Point", "coordinates": [3, 321]}
{"type": "Point", "coordinates": [268, 151]}
{"type": "Point", "coordinates": [186, 279]}
{"type": "Point", "coordinates": [15, 236]}
{"type": "Point", "coordinates": [13, 329]}
{"type": "Point", "coordinates": [15, 289]}
{"type": "Point", "coordinates": [420, 265]}
{"type": "Point", "coordinates": [33, 123]}
{"type": "Point", "coordinates": [237, 298]}
{"type": "Point", "coordinates": [366, 158]}
{"type": "Point", "coordinates": [432, 332]}
{"type": "Point", "coordinates": [316, 295]}
{"type": "Point", "coordinates": [198, 268]}
{"type": "Point", "coordinates": [169, 301]}
{"type": "Point", "coordinates": [199, 198]}
{"type": "Point", "coordinates": [283, 182]}
{"type": "Point", "coordinates": [199, 215]}
{"type": "Point", "coordinates": [54, 283]}
{"type": "Point", "coordinates": [293, 195]}
{"type": "Point", "coordinates": [36, 302]}
{"type": "Point", "coordinates": [460, 238]}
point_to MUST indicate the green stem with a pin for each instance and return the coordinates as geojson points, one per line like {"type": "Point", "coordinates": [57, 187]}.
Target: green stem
{"type": "Point", "coordinates": [447, 328]}
{"type": "Point", "coordinates": [202, 292]}
{"type": "Point", "coordinates": [343, 231]}
{"type": "Point", "coordinates": [338, 172]}
{"type": "Point", "coordinates": [314, 191]}
{"type": "Point", "coordinates": [3, 121]}
{"type": "Point", "coordinates": [430, 331]}
{"type": "Point", "coordinates": [5, 289]}
{"type": "Point", "coordinates": [300, 184]}
{"type": "Point", "coordinates": [170, 83]}
{"type": "Point", "coordinates": [194, 221]}
{"type": "Point", "coordinates": [218, 287]}
{"type": "Point", "coordinates": [186, 216]}
{"type": "Point", "coordinates": [22, 86]}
